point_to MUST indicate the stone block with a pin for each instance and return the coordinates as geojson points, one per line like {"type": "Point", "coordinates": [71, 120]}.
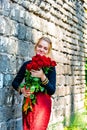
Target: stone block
{"type": "Point", "coordinates": [23, 49]}
{"type": "Point", "coordinates": [17, 13]}
{"type": "Point", "coordinates": [8, 64]}
{"type": "Point", "coordinates": [28, 19]}
{"type": "Point", "coordinates": [21, 31]}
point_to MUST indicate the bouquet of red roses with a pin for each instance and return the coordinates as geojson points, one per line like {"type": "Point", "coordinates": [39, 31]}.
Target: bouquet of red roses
{"type": "Point", "coordinates": [33, 84]}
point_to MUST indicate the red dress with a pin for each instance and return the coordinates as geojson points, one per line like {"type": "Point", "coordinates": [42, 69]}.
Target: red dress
{"type": "Point", "coordinates": [38, 119]}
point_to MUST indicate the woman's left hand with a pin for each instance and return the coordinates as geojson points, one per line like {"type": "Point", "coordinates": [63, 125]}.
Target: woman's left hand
{"type": "Point", "coordinates": [38, 74]}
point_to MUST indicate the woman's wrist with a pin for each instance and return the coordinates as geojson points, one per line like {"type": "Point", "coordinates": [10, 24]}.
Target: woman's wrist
{"type": "Point", "coordinates": [43, 77]}
{"type": "Point", "coordinates": [44, 80]}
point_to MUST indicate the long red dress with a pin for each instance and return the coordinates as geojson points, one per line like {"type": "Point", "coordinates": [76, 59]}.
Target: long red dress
{"type": "Point", "coordinates": [38, 119]}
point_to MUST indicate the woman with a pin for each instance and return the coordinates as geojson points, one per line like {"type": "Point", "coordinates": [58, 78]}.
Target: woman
{"type": "Point", "coordinates": [38, 119]}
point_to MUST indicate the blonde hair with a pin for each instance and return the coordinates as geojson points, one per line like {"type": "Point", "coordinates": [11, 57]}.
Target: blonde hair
{"type": "Point", "coordinates": [47, 40]}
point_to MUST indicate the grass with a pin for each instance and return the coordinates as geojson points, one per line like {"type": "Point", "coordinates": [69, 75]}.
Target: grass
{"type": "Point", "coordinates": [78, 122]}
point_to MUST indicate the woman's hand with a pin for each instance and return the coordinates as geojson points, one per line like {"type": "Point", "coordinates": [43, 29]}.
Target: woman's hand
{"type": "Point", "coordinates": [38, 74]}
{"type": "Point", "coordinates": [25, 92]}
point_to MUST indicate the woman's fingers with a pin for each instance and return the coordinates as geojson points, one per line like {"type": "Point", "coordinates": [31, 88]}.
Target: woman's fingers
{"type": "Point", "coordinates": [25, 92]}
{"type": "Point", "coordinates": [37, 73]}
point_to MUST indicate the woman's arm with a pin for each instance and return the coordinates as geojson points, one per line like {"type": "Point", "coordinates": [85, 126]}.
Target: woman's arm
{"type": "Point", "coordinates": [51, 85]}
{"type": "Point", "coordinates": [48, 81]}
{"type": "Point", "coordinates": [19, 77]}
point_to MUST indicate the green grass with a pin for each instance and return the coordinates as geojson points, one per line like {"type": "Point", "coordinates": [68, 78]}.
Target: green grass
{"type": "Point", "coordinates": [78, 122]}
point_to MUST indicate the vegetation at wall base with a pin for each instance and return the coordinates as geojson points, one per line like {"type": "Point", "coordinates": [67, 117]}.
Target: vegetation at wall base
{"type": "Point", "coordinates": [78, 121]}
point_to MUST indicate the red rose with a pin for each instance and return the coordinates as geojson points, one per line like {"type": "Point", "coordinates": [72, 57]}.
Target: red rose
{"type": "Point", "coordinates": [29, 66]}
{"type": "Point", "coordinates": [36, 58]}
{"type": "Point", "coordinates": [40, 64]}
{"type": "Point", "coordinates": [35, 66]}
{"type": "Point", "coordinates": [46, 64]}
{"type": "Point", "coordinates": [47, 61]}
{"type": "Point", "coordinates": [53, 63]}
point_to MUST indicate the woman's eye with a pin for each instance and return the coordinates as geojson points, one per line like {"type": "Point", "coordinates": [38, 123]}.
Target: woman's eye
{"type": "Point", "coordinates": [45, 48]}
{"type": "Point", "coordinates": [39, 46]}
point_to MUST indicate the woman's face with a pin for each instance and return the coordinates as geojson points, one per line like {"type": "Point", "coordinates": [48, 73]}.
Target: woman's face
{"type": "Point", "coordinates": [43, 48]}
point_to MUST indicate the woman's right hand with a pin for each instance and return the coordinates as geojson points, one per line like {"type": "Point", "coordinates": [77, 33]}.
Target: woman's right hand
{"type": "Point", "coordinates": [26, 93]}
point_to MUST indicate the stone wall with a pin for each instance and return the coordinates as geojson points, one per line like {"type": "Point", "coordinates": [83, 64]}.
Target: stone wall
{"type": "Point", "coordinates": [22, 22]}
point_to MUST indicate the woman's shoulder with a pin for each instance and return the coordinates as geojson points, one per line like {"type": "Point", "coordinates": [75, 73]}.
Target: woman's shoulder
{"type": "Point", "coordinates": [25, 63]}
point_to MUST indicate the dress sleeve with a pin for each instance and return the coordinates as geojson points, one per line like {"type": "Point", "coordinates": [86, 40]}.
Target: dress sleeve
{"type": "Point", "coordinates": [51, 85]}
{"type": "Point", "coordinates": [19, 77]}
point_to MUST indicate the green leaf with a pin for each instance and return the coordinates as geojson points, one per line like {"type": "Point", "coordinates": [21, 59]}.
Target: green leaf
{"type": "Point", "coordinates": [27, 86]}
{"type": "Point", "coordinates": [32, 88]}
{"type": "Point", "coordinates": [36, 79]}
{"type": "Point", "coordinates": [42, 89]}
{"type": "Point", "coordinates": [34, 101]}
{"type": "Point", "coordinates": [32, 96]}
{"type": "Point", "coordinates": [22, 85]}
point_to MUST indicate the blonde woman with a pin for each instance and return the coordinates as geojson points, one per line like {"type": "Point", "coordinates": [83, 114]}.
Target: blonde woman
{"type": "Point", "coordinates": [38, 119]}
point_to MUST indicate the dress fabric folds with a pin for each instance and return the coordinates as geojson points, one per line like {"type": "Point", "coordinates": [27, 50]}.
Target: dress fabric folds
{"type": "Point", "coordinates": [38, 118]}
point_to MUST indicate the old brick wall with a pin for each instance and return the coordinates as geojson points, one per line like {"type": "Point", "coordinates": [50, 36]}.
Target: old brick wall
{"type": "Point", "coordinates": [22, 22]}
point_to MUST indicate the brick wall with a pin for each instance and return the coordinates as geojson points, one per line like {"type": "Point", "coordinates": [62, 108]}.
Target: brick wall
{"type": "Point", "coordinates": [22, 22]}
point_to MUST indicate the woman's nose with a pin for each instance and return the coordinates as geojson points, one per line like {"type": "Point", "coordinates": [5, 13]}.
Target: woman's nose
{"type": "Point", "coordinates": [41, 49]}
